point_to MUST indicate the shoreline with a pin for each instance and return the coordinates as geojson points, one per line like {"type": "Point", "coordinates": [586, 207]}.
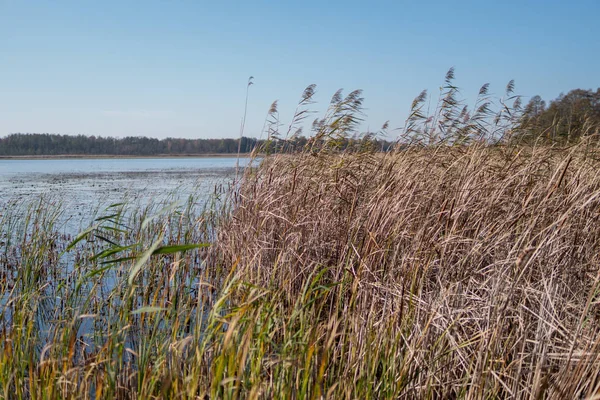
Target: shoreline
{"type": "Point", "coordinates": [115, 156]}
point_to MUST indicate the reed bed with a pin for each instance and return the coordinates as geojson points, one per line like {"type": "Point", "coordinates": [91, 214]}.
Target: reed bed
{"type": "Point", "coordinates": [460, 265]}
{"type": "Point", "coordinates": [455, 272]}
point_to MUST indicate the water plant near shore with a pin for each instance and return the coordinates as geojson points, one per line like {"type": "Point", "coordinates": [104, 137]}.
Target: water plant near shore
{"type": "Point", "coordinates": [462, 272]}
{"type": "Point", "coordinates": [463, 264]}
{"type": "Point", "coordinates": [456, 273]}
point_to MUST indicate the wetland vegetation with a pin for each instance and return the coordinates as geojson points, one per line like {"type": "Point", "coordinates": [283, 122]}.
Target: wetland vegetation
{"type": "Point", "coordinates": [462, 263]}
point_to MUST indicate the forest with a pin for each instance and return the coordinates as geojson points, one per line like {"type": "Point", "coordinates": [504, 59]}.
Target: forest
{"type": "Point", "coordinates": [36, 144]}
{"type": "Point", "coordinates": [566, 119]}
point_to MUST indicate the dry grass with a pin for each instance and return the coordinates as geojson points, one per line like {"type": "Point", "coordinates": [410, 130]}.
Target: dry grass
{"type": "Point", "coordinates": [450, 272]}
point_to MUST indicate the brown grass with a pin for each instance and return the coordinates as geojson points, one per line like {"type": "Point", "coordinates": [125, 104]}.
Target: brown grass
{"type": "Point", "coordinates": [449, 272]}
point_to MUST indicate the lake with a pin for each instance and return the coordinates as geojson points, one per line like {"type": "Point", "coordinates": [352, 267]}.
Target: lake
{"type": "Point", "coordinates": [73, 193]}
{"type": "Point", "coordinates": [83, 185]}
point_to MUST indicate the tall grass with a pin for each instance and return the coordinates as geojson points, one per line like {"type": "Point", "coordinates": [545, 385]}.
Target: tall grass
{"type": "Point", "coordinates": [459, 265]}
{"type": "Point", "coordinates": [456, 272]}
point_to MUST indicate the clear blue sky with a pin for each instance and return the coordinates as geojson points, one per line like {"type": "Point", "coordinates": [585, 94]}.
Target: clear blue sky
{"type": "Point", "coordinates": [179, 68]}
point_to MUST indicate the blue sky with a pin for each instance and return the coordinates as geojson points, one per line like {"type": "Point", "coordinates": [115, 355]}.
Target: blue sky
{"type": "Point", "coordinates": [179, 68]}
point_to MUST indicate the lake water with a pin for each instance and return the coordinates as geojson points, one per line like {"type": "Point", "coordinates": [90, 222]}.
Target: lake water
{"type": "Point", "coordinates": [80, 185]}
{"type": "Point", "coordinates": [15, 168]}
{"type": "Point", "coordinates": [80, 190]}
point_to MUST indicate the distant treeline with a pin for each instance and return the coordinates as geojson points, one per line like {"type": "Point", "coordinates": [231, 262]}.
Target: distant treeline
{"type": "Point", "coordinates": [28, 144]}
{"type": "Point", "coordinates": [44, 144]}
{"type": "Point", "coordinates": [567, 118]}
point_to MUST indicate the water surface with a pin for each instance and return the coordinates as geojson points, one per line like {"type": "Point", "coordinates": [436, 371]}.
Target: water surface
{"type": "Point", "coordinates": [83, 185]}
{"type": "Point", "coordinates": [104, 165]}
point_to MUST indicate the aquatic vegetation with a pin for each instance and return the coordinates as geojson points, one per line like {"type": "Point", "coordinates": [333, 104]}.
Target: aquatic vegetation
{"type": "Point", "coordinates": [459, 264]}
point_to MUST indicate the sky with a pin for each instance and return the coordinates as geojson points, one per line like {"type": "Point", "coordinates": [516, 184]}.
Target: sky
{"type": "Point", "coordinates": [179, 68]}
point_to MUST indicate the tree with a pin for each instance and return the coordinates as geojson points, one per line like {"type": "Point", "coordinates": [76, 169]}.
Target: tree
{"type": "Point", "coordinates": [568, 118]}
